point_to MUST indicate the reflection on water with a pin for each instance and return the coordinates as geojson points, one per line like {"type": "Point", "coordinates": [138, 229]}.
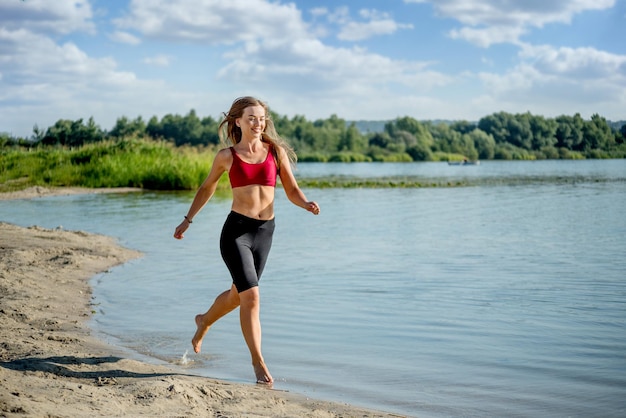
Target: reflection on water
{"type": "Point", "coordinates": [479, 301]}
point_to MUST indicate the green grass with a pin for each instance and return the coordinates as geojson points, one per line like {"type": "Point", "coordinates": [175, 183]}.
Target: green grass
{"type": "Point", "coordinates": [125, 163]}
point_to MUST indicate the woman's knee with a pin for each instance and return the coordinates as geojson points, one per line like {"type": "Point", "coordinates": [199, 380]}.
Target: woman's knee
{"type": "Point", "coordinates": [249, 298]}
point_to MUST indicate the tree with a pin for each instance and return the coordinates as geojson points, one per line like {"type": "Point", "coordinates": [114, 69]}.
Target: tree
{"type": "Point", "coordinates": [445, 139]}
{"type": "Point", "coordinates": [597, 134]}
{"type": "Point", "coordinates": [520, 133]}
{"type": "Point", "coordinates": [420, 152]}
{"type": "Point", "coordinates": [380, 139]}
{"type": "Point", "coordinates": [210, 135]}
{"type": "Point", "coordinates": [351, 140]}
{"type": "Point", "coordinates": [191, 130]}
{"type": "Point", "coordinates": [569, 131]}
{"type": "Point", "coordinates": [72, 133]}
{"type": "Point", "coordinates": [507, 128]}
{"type": "Point", "coordinates": [154, 128]}
{"type": "Point", "coordinates": [125, 127]}
{"type": "Point", "coordinates": [496, 126]}
{"type": "Point", "coordinates": [181, 130]}
{"type": "Point", "coordinates": [463, 126]}
{"type": "Point", "coordinates": [543, 131]}
{"type": "Point", "coordinates": [484, 144]}
{"type": "Point", "coordinates": [407, 124]}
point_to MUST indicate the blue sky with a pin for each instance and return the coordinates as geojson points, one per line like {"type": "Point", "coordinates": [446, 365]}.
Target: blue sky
{"type": "Point", "coordinates": [359, 59]}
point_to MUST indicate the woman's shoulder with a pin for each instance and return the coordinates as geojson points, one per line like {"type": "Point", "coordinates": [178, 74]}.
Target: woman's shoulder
{"type": "Point", "coordinates": [224, 157]}
{"type": "Point", "coordinates": [224, 152]}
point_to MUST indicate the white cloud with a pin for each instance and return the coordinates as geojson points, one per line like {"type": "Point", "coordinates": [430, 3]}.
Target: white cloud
{"type": "Point", "coordinates": [309, 62]}
{"type": "Point", "coordinates": [377, 24]}
{"type": "Point", "coordinates": [212, 21]}
{"type": "Point", "coordinates": [32, 58]}
{"type": "Point", "coordinates": [318, 11]}
{"type": "Point", "coordinates": [488, 22]}
{"type": "Point", "coordinates": [583, 64]}
{"type": "Point", "coordinates": [59, 16]}
{"type": "Point", "coordinates": [160, 60]}
{"type": "Point", "coordinates": [125, 38]}
{"type": "Point", "coordinates": [552, 80]}
{"type": "Point", "coordinates": [487, 36]}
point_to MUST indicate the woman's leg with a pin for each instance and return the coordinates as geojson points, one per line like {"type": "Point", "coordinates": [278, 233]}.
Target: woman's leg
{"type": "Point", "coordinates": [249, 310]}
{"type": "Point", "coordinates": [223, 304]}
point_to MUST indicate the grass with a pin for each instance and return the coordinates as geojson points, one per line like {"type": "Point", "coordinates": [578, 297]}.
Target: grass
{"type": "Point", "coordinates": [125, 163]}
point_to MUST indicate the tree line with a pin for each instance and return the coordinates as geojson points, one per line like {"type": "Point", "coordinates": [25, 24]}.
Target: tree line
{"type": "Point", "coordinates": [500, 135]}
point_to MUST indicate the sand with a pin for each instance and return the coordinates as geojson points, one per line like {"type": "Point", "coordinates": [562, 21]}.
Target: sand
{"type": "Point", "coordinates": [52, 366]}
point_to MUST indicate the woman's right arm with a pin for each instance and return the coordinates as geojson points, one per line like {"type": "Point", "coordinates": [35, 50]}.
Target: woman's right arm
{"type": "Point", "coordinates": [221, 163]}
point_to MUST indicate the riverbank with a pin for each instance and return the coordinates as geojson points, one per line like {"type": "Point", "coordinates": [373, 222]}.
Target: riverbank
{"type": "Point", "coordinates": [39, 191]}
{"type": "Point", "coordinates": [51, 365]}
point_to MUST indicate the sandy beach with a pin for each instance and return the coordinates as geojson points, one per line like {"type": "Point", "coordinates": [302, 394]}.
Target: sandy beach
{"type": "Point", "coordinates": [52, 366]}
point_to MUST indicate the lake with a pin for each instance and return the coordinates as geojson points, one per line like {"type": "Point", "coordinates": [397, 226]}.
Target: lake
{"type": "Point", "coordinates": [504, 298]}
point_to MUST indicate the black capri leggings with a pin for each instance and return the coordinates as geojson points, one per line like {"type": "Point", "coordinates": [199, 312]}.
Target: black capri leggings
{"type": "Point", "coordinates": [245, 244]}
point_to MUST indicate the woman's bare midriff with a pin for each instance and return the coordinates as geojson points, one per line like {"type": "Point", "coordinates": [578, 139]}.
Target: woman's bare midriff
{"type": "Point", "coordinates": [254, 201]}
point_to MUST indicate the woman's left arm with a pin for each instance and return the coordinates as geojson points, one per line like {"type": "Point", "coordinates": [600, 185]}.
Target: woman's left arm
{"type": "Point", "coordinates": [292, 190]}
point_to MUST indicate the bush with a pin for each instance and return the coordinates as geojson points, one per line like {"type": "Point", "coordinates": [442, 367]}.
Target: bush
{"type": "Point", "coordinates": [313, 158]}
{"type": "Point", "coordinates": [349, 157]}
{"type": "Point", "coordinates": [506, 151]}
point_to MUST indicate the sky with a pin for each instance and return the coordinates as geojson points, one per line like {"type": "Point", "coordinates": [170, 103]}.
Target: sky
{"type": "Point", "coordinates": [357, 59]}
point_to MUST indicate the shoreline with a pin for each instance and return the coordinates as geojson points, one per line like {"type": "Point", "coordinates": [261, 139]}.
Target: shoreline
{"type": "Point", "coordinates": [52, 365]}
{"type": "Point", "coordinates": [40, 191]}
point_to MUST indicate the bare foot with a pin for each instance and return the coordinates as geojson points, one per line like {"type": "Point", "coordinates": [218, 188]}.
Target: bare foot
{"type": "Point", "coordinates": [196, 341]}
{"type": "Point", "coordinates": [263, 375]}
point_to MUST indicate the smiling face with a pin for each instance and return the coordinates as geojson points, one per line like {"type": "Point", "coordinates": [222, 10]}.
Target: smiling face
{"type": "Point", "coordinates": [252, 122]}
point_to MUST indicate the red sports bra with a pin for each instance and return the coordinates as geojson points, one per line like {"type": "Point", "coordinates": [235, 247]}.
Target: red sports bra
{"type": "Point", "coordinates": [243, 174]}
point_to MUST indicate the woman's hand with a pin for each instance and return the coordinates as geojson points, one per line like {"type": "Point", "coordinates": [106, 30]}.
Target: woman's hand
{"type": "Point", "coordinates": [313, 207]}
{"type": "Point", "coordinates": [180, 229]}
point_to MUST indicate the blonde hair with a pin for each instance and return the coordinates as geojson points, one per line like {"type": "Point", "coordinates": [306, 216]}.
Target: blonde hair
{"type": "Point", "coordinates": [230, 132]}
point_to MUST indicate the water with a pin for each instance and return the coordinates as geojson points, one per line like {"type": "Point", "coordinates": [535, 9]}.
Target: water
{"type": "Point", "coordinates": [504, 299]}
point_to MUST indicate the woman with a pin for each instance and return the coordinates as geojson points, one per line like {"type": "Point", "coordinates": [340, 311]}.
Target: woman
{"type": "Point", "coordinates": [254, 160]}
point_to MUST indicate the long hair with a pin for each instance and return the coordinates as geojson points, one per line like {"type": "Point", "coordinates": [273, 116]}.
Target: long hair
{"type": "Point", "coordinates": [230, 132]}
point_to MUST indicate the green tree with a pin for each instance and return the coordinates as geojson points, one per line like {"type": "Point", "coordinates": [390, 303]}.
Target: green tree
{"type": "Point", "coordinates": [72, 133]}
{"type": "Point", "coordinates": [621, 136]}
{"type": "Point", "coordinates": [569, 131]}
{"type": "Point", "coordinates": [446, 139]}
{"type": "Point", "coordinates": [543, 132]}
{"type": "Point", "coordinates": [420, 152]}
{"type": "Point", "coordinates": [520, 133]}
{"type": "Point", "coordinates": [597, 134]}
{"type": "Point", "coordinates": [508, 128]}
{"type": "Point", "coordinates": [496, 126]}
{"type": "Point", "coordinates": [484, 144]}
{"type": "Point", "coordinates": [181, 130]}
{"type": "Point", "coordinates": [408, 124]}
{"type": "Point", "coordinates": [452, 141]}
{"type": "Point", "coordinates": [463, 126]}
{"type": "Point", "coordinates": [380, 139]}
{"type": "Point", "coordinates": [328, 133]}
{"type": "Point", "coordinates": [352, 140]}
{"type": "Point", "coordinates": [125, 127]}
{"type": "Point", "coordinates": [209, 134]}
{"type": "Point", "coordinates": [153, 129]}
